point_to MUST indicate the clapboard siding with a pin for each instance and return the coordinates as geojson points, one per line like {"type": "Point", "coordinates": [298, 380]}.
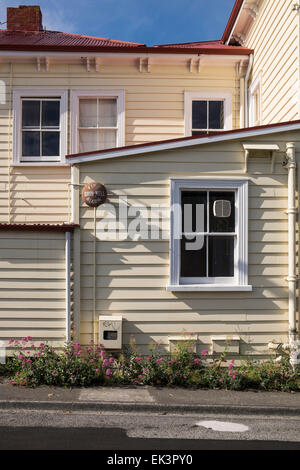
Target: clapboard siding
{"type": "Point", "coordinates": [154, 110]}
{"type": "Point", "coordinates": [274, 36]}
{"type": "Point", "coordinates": [131, 275]}
{"type": "Point", "coordinates": [32, 286]}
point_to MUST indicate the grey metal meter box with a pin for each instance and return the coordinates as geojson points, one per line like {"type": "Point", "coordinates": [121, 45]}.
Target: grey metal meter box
{"type": "Point", "coordinates": [110, 331]}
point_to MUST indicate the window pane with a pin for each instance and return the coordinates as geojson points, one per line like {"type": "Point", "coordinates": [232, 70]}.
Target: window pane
{"type": "Point", "coordinates": [50, 144]}
{"type": "Point", "coordinates": [194, 209]}
{"type": "Point", "coordinates": [88, 112]}
{"type": "Point", "coordinates": [221, 224]}
{"type": "Point", "coordinates": [199, 115]}
{"type": "Point", "coordinates": [193, 261]}
{"type": "Point", "coordinates": [216, 115]}
{"type": "Point", "coordinates": [50, 113]}
{"type": "Point", "coordinates": [107, 139]}
{"type": "Point", "coordinates": [30, 114]}
{"type": "Point", "coordinates": [107, 113]}
{"type": "Point", "coordinates": [31, 144]}
{"type": "Point", "coordinates": [88, 140]}
{"type": "Point", "coordinates": [199, 132]}
{"type": "Point", "coordinates": [221, 256]}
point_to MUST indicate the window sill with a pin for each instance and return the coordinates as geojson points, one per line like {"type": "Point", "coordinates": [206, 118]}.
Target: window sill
{"type": "Point", "coordinates": [22, 164]}
{"type": "Point", "coordinates": [207, 288]}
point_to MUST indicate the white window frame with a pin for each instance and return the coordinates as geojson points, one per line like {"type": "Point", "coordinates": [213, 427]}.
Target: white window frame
{"type": "Point", "coordinates": [27, 93]}
{"type": "Point", "coordinates": [207, 95]}
{"type": "Point", "coordinates": [240, 279]}
{"type": "Point", "coordinates": [255, 89]}
{"type": "Point", "coordinates": [74, 111]}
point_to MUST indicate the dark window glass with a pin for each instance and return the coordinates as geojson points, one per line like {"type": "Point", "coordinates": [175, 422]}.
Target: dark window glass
{"type": "Point", "coordinates": [30, 114]}
{"type": "Point", "coordinates": [216, 115]}
{"type": "Point", "coordinates": [31, 144]}
{"type": "Point", "coordinates": [199, 115]}
{"type": "Point", "coordinates": [194, 211]}
{"type": "Point", "coordinates": [199, 132]}
{"type": "Point", "coordinates": [193, 262]}
{"type": "Point", "coordinates": [50, 144]}
{"type": "Point", "coordinates": [221, 224]}
{"type": "Point", "coordinates": [50, 113]}
{"type": "Point", "coordinates": [221, 256]}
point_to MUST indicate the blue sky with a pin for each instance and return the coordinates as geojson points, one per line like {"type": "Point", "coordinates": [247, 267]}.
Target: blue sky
{"type": "Point", "coordinates": [145, 21]}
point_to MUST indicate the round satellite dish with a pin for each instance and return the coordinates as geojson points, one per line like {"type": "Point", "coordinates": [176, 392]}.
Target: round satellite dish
{"type": "Point", "coordinates": [94, 194]}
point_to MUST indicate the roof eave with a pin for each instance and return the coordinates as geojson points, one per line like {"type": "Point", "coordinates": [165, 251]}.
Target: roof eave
{"type": "Point", "coordinates": [184, 142]}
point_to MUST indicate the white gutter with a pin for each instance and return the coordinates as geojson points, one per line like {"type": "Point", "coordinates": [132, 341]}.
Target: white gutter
{"type": "Point", "coordinates": [246, 92]}
{"type": "Point", "coordinates": [292, 211]}
{"type": "Point", "coordinates": [68, 285]}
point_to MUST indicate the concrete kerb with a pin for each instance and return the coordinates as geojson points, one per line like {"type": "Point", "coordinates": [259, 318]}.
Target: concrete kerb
{"type": "Point", "coordinates": [148, 407]}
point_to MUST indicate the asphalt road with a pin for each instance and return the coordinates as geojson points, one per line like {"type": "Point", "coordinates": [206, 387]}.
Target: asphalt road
{"type": "Point", "coordinates": [65, 430]}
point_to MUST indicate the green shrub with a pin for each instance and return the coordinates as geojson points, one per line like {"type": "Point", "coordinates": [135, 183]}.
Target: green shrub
{"type": "Point", "coordinates": [75, 366]}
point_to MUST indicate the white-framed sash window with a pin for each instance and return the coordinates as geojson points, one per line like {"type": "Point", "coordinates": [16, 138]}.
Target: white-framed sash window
{"type": "Point", "coordinates": [207, 111]}
{"type": "Point", "coordinates": [209, 234]}
{"type": "Point", "coordinates": [97, 120]}
{"type": "Point", "coordinates": [39, 126]}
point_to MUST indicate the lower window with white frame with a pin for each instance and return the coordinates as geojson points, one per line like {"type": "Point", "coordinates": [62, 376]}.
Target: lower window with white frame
{"type": "Point", "coordinates": [209, 234]}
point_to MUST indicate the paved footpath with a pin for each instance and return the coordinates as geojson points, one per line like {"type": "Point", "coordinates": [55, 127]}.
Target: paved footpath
{"type": "Point", "coordinates": [169, 400]}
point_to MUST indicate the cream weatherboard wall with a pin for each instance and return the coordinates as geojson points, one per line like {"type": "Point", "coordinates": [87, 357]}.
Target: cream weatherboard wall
{"type": "Point", "coordinates": [274, 36]}
{"type": "Point", "coordinates": [131, 276]}
{"type": "Point", "coordinates": [32, 286]}
{"type": "Point", "coordinates": [154, 110]}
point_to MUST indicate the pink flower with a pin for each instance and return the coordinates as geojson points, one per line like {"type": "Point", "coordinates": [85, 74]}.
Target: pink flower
{"type": "Point", "coordinates": [10, 341]}
{"type": "Point", "coordinates": [271, 372]}
{"type": "Point", "coordinates": [92, 360]}
{"type": "Point", "coordinates": [97, 370]}
{"type": "Point", "coordinates": [111, 360]}
{"type": "Point", "coordinates": [230, 366]}
{"type": "Point", "coordinates": [148, 358]}
{"type": "Point", "coordinates": [204, 352]}
{"type": "Point", "coordinates": [185, 377]}
{"type": "Point", "coordinates": [229, 373]}
{"type": "Point", "coordinates": [196, 360]}
{"type": "Point", "coordinates": [221, 380]}
{"type": "Point", "coordinates": [20, 356]}
{"type": "Point", "coordinates": [233, 376]}
{"type": "Point", "coordinates": [140, 376]}
{"type": "Point", "coordinates": [53, 372]}
{"type": "Point", "coordinates": [89, 349]}
{"type": "Point", "coordinates": [42, 345]}
{"type": "Point", "coordinates": [108, 372]}
{"type": "Point", "coordinates": [137, 359]}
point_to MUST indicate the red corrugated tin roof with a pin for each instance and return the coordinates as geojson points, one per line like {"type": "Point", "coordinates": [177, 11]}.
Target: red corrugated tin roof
{"type": "Point", "coordinates": [56, 38]}
{"type": "Point", "coordinates": [233, 16]}
{"type": "Point", "coordinates": [40, 227]}
{"type": "Point", "coordinates": [67, 42]}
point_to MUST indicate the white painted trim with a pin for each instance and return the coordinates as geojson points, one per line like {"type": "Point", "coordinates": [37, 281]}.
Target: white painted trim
{"type": "Point", "coordinates": [240, 278]}
{"type": "Point", "coordinates": [76, 94]}
{"type": "Point", "coordinates": [20, 93]}
{"type": "Point", "coordinates": [190, 96]}
{"type": "Point", "coordinates": [207, 288]}
{"type": "Point", "coordinates": [255, 87]}
{"type": "Point", "coordinates": [158, 147]}
{"type": "Point", "coordinates": [68, 284]}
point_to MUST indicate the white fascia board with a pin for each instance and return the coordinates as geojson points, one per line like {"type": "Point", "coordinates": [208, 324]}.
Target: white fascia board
{"type": "Point", "coordinates": [235, 23]}
{"type": "Point", "coordinates": [157, 147]}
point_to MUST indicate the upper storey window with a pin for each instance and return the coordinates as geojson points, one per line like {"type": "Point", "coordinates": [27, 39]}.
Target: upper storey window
{"type": "Point", "coordinates": [207, 112]}
{"type": "Point", "coordinates": [39, 126]}
{"type": "Point", "coordinates": [97, 120]}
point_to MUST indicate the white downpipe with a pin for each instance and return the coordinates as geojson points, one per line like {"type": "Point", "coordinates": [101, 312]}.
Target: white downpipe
{"type": "Point", "coordinates": [246, 92]}
{"type": "Point", "coordinates": [68, 285]}
{"type": "Point", "coordinates": [292, 212]}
